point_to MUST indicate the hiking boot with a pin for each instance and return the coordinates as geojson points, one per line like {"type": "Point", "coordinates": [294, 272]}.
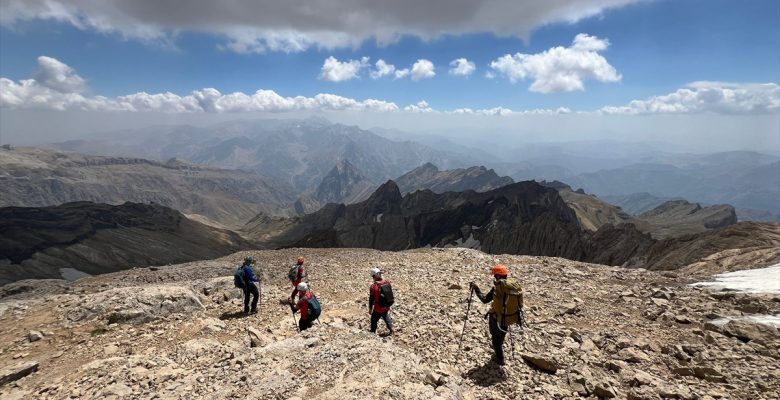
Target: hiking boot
{"type": "Point", "coordinates": [497, 360]}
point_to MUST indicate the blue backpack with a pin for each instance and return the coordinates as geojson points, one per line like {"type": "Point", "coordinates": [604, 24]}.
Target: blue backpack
{"type": "Point", "coordinates": [238, 278]}
{"type": "Point", "coordinates": [315, 309]}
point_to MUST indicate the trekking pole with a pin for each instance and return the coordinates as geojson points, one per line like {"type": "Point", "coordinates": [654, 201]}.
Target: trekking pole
{"type": "Point", "coordinates": [466, 320]}
{"type": "Point", "coordinates": [295, 322]}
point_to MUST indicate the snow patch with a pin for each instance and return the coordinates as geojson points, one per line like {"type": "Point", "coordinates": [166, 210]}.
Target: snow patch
{"type": "Point", "coordinates": [757, 319]}
{"type": "Point", "coordinates": [760, 280]}
{"type": "Point", "coordinates": [379, 217]}
{"type": "Point", "coordinates": [469, 243]}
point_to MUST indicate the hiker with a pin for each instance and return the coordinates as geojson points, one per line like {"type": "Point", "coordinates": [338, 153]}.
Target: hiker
{"type": "Point", "coordinates": [506, 309]}
{"type": "Point", "coordinates": [308, 305]}
{"type": "Point", "coordinates": [296, 275]}
{"type": "Point", "coordinates": [380, 298]}
{"type": "Point", "coordinates": [244, 278]}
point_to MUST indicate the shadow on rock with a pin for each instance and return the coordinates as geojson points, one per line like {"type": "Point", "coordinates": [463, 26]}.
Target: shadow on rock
{"type": "Point", "coordinates": [232, 315]}
{"type": "Point", "coordinates": [487, 375]}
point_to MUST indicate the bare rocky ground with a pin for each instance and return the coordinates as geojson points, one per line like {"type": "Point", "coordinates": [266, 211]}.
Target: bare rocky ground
{"type": "Point", "coordinates": [175, 332]}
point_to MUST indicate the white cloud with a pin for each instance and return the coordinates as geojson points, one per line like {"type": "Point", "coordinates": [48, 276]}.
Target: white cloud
{"type": "Point", "coordinates": [51, 93]}
{"type": "Point", "coordinates": [334, 70]}
{"type": "Point", "coordinates": [708, 97]}
{"type": "Point", "coordinates": [401, 73]}
{"type": "Point", "coordinates": [382, 69]}
{"type": "Point", "coordinates": [560, 69]}
{"type": "Point", "coordinates": [422, 69]}
{"type": "Point", "coordinates": [501, 111]}
{"type": "Point", "coordinates": [421, 107]}
{"type": "Point", "coordinates": [462, 67]}
{"type": "Point", "coordinates": [296, 25]}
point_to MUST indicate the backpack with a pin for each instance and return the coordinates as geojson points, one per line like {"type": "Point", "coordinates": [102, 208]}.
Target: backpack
{"type": "Point", "coordinates": [292, 275]}
{"type": "Point", "coordinates": [508, 302]}
{"type": "Point", "coordinates": [386, 298]}
{"type": "Point", "coordinates": [315, 309]}
{"type": "Point", "coordinates": [238, 278]}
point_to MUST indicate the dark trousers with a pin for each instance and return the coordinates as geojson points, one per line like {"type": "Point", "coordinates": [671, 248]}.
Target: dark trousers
{"type": "Point", "coordinates": [497, 335]}
{"type": "Point", "coordinates": [304, 324]}
{"type": "Point", "coordinates": [375, 316]}
{"type": "Point", "coordinates": [251, 289]}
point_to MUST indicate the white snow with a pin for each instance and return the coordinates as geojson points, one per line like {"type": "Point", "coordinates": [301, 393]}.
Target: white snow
{"type": "Point", "coordinates": [758, 319]}
{"type": "Point", "coordinates": [761, 280]}
{"type": "Point", "coordinates": [379, 217]}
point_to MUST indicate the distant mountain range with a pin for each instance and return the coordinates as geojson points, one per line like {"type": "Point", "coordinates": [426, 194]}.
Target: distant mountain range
{"type": "Point", "coordinates": [428, 176]}
{"type": "Point", "coordinates": [297, 152]}
{"type": "Point", "coordinates": [74, 239]}
{"type": "Point", "coordinates": [301, 153]}
{"type": "Point", "coordinates": [35, 177]}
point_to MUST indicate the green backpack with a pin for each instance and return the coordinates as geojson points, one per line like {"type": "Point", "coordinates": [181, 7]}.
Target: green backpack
{"type": "Point", "coordinates": [508, 302]}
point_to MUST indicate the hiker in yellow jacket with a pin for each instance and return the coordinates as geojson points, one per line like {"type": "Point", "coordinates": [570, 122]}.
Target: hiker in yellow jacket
{"type": "Point", "coordinates": [506, 309]}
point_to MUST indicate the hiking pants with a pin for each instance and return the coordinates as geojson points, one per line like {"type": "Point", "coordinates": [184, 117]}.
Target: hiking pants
{"type": "Point", "coordinates": [375, 316]}
{"type": "Point", "coordinates": [497, 335]}
{"type": "Point", "coordinates": [304, 324]}
{"type": "Point", "coordinates": [251, 289]}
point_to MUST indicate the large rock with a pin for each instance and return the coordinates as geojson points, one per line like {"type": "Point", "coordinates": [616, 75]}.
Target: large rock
{"type": "Point", "coordinates": [137, 304]}
{"type": "Point", "coordinates": [543, 363]}
{"type": "Point", "coordinates": [17, 371]}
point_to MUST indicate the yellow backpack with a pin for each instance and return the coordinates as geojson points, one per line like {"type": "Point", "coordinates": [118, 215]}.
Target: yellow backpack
{"type": "Point", "coordinates": [508, 302]}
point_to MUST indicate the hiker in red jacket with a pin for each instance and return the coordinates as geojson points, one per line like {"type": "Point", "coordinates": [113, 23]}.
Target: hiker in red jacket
{"type": "Point", "coordinates": [307, 305]}
{"type": "Point", "coordinates": [380, 298]}
{"type": "Point", "coordinates": [296, 275]}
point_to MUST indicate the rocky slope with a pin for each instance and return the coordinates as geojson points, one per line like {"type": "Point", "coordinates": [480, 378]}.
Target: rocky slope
{"type": "Point", "coordinates": [343, 184]}
{"type": "Point", "coordinates": [74, 239]}
{"type": "Point", "coordinates": [428, 176]}
{"type": "Point", "coordinates": [677, 217]}
{"type": "Point", "coordinates": [593, 332]}
{"type": "Point", "coordinates": [33, 177]}
{"type": "Point", "coordinates": [636, 203]}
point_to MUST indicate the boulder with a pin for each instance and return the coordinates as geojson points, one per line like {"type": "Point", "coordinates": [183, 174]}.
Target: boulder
{"type": "Point", "coordinates": [17, 371]}
{"type": "Point", "coordinates": [34, 336]}
{"type": "Point", "coordinates": [137, 304]}
{"type": "Point", "coordinates": [543, 363]}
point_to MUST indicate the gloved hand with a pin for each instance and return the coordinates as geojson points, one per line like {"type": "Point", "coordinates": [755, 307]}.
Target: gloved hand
{"type": "Point", "coordinates": [473, 286]}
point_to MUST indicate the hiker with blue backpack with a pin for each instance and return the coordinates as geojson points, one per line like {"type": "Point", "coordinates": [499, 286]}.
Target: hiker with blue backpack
{"type": "Point", "coordinates": [380, 299]}
{"type": "Point", "coordinates": [307, 305]}
{"type": "Point", "coordinates": [244, 279]}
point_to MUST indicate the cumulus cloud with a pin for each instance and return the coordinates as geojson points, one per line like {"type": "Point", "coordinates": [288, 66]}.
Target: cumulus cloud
{"type": "Point", "coordinates": [421, 107]}
{"type": "Point", "coordinates": [560, 69]}
{"type": "Point", "coordinates": [401, 73]}
{"type": "Point", "coordinates": [501, 111]}
{"type": "Point", "coordinates": [422, 69]}
{"type": "Point", "coordinates": [462, 67]}
{"type": "Point", "coordinates": [382, 69]}
{"type": "Point", "coordinates": [334, 70]}
{"type": "Point", "coordinates": [296, 25]}
{"type": "Point", "coordinates": [60, 88]}
{"type": "Point", "coordinates": [708, 97]}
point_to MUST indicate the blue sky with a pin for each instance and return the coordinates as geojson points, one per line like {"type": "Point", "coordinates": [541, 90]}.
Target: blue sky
{"type": "Point", "coordinates": [657, 47]}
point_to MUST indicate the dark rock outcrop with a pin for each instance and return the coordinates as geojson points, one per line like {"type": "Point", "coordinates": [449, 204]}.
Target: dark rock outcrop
{"type": "Point", "coordinates": [522, 218]}
{"type": "Point", "coordinates": [37, 242]}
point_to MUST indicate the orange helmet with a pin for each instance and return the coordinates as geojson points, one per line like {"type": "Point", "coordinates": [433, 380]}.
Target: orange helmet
{"type": "Point", "coordinates": [300, 260]}
{"type": "Point", "coordinates": [500, 270]}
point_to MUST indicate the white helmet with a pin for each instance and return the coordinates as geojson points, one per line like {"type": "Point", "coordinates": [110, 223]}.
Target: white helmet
{"type": "Point", "coordinates": [303, 287]}
{"type": "Point", "coordinates": [375, 271]}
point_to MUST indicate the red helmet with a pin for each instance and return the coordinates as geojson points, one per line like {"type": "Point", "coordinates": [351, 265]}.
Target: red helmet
{"type": "Point", "coordinates": [500, 270]}
{"type": "Point", "coordinates": [300, 260]}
